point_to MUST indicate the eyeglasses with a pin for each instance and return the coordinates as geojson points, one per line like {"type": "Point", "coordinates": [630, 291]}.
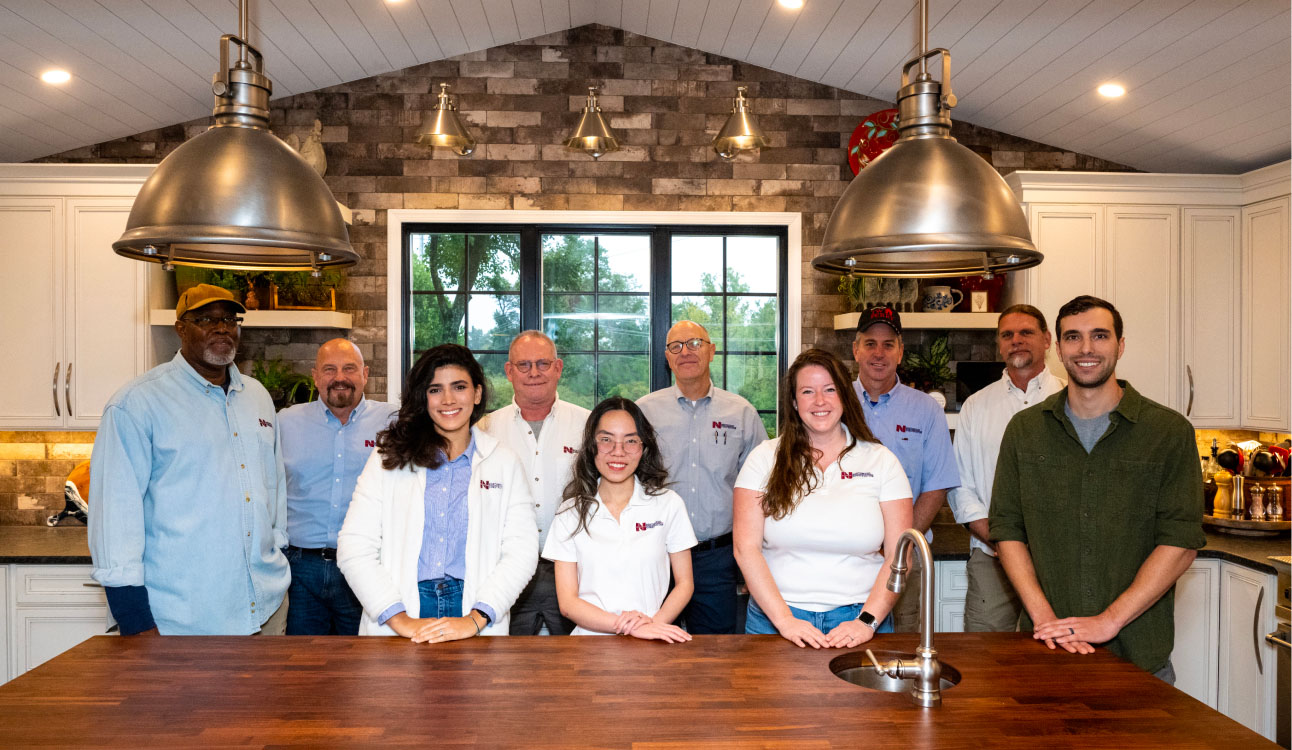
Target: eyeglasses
{"type": "Point", "coordinates": [543, 365]}
{"type": "Point", "coordinates": [675, 347]}
{"type": "Point", "coordinates": [606, 444]}
{"type": "Point", "coordinates": [208, 322]}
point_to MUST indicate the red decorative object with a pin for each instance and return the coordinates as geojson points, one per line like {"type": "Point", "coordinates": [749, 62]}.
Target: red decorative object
{"type": "Point", "coordinates": [871, 138]}
{"type": "Point", "coordinates": [970, 284]}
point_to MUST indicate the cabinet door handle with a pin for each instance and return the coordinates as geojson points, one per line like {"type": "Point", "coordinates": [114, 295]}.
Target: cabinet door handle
{"type": "Point", "coordinates": [67, 389]}
{"type": "Point", "coordinates": [1189, 409]}
{"type": "Point", "coordinates": [1256, 630]}
{"type": "Point", "coordinates": [1277, 638]}
{"type": "Point", "coordinates": [92, 585]}
{"type": "Point", "coordinates": [57, 366]}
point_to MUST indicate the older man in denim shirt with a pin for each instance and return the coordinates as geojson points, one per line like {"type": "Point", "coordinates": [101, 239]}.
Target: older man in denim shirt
{"type": "Point", "coordinates": [188, 503]}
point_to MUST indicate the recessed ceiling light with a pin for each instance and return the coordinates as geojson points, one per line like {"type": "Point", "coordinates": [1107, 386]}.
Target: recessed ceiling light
{"type": "Point", "coordinates": [791, 4]}
{"type": "Point", "coordinates": [1112, 90]}
{"type": "Point", "coordinates": [56, 76]}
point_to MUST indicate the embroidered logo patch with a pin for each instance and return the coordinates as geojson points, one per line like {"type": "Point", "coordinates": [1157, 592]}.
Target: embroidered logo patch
{"type": "Point", "coordinates": [647, 526]}
{"type": "Point", "coordinates": [854, 474]}
{"type": "Point", "coordinates": [487, 485]}
{"type": "Point", "coordinates": [904, 428]}
{"type": "Point", "coordinates": [370, 443]}
{"type": "Point", "coordinates": [723, 426]}
{"type": "Point", "coordinates": [568, 449]}
{"type": "Point", "coordinates": [264, 423]}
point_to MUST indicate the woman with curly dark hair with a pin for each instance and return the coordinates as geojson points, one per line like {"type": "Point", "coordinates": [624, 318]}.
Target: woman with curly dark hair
{"type": "Point", "coordinates": [440, 537]}
{"type": "Point", "coordinates": [818, 512]}
{"type": "Point", "coordinates": [620, 531]}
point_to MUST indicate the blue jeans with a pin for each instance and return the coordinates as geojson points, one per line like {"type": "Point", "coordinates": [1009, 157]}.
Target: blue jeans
{"type": "Point", "coordinates": [712, 608]}
{"type": "Point", "coordinates": [320, 602]}
{"type": "Point", "coordinates": [756, 623]}
{"type": "Point", "coordinates": [441, 597]}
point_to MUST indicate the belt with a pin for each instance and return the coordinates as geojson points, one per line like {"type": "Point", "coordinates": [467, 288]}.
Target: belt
{"type": "Point", "coordinates": [327, 553]}
{"type": "Point", "coordinates": [716, 542]}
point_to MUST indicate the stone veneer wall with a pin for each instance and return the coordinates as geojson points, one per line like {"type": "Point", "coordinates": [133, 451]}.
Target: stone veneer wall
{"type": "Point", "coordinates": [665, 103]}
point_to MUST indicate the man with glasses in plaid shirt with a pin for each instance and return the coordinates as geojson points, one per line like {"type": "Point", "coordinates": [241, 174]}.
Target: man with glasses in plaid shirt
{"type": "Point", "coordinates": [545, 432]}
{"type": "Point", "coordinates": [705, 434]}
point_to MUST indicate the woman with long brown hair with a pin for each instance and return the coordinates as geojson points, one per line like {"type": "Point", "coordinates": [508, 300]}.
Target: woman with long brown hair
{"type": "Point", "coordinates": [440, 537]}
{"type": "Point", "coordinates": [620, 532]}
{"type": "Point", "coordinates": [818, 512]}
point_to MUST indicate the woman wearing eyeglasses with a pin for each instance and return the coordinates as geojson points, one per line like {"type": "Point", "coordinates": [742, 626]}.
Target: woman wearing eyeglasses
{"type": "Point", "coordinates": [818, 512]}
{"type": "Point", "coordinates": [619, 533]}
{"type": "Point", "coordinates": [440, 538]}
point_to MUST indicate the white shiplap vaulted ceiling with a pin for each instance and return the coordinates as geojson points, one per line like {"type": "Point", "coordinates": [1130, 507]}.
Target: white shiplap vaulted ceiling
{"type": "Point", "coordinates": [1209, 81]}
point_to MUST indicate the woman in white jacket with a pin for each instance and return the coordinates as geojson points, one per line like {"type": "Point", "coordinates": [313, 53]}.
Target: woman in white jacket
{"type": "Point", "coordinates": [440, 538]}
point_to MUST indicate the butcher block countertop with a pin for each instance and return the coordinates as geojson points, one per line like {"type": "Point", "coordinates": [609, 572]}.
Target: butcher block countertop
{"type": "Point", "coordinates": [716, 692]}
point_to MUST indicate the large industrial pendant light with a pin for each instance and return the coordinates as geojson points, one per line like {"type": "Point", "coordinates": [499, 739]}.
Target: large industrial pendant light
{"type": "Point", "coordinates": [236, 196]}
{"type": "Point", "coordinates": [443, 128]}
{"type": "Point", "coordinates": [593, 134]}
{"type": "Point", "coordinates": [741, 132]}
{"type": "Point", "coordinates": [927, 207]}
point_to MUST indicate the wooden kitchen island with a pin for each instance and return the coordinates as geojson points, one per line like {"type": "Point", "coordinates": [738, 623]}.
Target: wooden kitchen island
{"type": "Point", "coordinates": [715, 692]}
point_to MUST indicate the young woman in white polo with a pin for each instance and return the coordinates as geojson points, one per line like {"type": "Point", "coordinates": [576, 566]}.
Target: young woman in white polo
{"type": "Point", "coordinates": [619, 533]}
{"type": "Point", "coordinates": [818, 512]}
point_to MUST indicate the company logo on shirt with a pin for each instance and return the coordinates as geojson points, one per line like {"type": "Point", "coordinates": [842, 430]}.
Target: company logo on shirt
{"type": "Point", "coordinates": [647, 526]}
{"type": "Point", "coordinates": [264, 423]}
{"type": "Point", "coordinates": [370, 443]}
{"type": "Point", "coordinates": [485, 484]}
{"type": "Point", "coordinates": [854, 474]}
{"type": "Point", "coordinates": [723, 426]}
{"type": "Point", "coordinates": [904, 428]}
{"type": "Point", "coordinates": [568, 449]}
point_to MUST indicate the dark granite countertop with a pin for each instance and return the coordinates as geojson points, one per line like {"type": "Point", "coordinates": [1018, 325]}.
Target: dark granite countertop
{"type": "Point", "coordinates": [66, 545]}
{"type": "Point", "coordinates": [43, 545]}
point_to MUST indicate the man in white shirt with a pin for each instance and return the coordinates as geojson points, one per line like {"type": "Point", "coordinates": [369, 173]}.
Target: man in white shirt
{"type": "Point", "coordinates": [991, 605]}
{"type": "Point", "coordinates": [545, 433]}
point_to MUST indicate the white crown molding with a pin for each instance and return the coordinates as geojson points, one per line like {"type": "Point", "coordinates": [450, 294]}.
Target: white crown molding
{"type": "Point", "coordinates": [91, 180]}
{"type": "Point", "coordinates": [397, 218]}
{"type": "Point", "coordinates": [1151, 188]}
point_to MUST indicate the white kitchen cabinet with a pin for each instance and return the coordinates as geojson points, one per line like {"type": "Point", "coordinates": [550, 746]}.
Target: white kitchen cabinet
{"type": "Point", "coordinates": [83, 309]}
{"type": "Point", "coordinates": [1211, 259]}
{"type": "Point", "coordinates": [1198, 265]}
{"type": "Point", "coordinates": [1267, 257]}
{"type": "Point", "coordinates": [1246, 690]}
{"type": "Point", "coordinates": [54, 608]}
{"type": "Point", "coordinates": [952, 584]}
{"type": "Point", "coordinates": [1197, 631]}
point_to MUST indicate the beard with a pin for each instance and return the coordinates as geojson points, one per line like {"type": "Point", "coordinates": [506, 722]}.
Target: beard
{"type": "Point", "coordinates": [1091, 379]}
{"type": "Point", "coordinates": [1020, 360]}
{"type": "Point", "coordinates": [340, 395]}
{"type": "Point", "coordinates": [216, 355]}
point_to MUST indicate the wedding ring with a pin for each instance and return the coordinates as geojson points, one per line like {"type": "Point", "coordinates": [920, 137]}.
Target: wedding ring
{"type": "Point", "coordinates": [1071, 631]}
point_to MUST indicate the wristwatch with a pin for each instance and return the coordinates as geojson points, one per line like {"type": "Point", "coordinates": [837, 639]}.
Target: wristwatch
{"type": "Point", "coordinates": [867, 619]}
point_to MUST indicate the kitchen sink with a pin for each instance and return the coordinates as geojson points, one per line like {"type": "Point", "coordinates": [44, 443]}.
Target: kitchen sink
{"type": "Point", "coordinates": [854, 667]}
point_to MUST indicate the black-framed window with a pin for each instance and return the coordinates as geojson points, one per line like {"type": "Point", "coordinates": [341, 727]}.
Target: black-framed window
{"type": "Point", "coordinates": [607, 295]}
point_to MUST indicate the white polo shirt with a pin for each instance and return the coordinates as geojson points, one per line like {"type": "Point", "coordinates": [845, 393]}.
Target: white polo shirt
{"type": "Point", "coordinates": [828, 551]}
{"type": "Point", "coordinates": [549, 460]}
{"type": "Point", "coordinates": [623, 565]}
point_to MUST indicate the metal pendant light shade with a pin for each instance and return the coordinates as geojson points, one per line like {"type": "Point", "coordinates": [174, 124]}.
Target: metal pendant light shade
{"type": "Point", "coordinates": [443, 128]}
{"type": "Point", "coordinates": [927, 207]}
{"type": "Point", "coordinates": [236, 196]}
{"type": "Point", "coordinates": [741, 132]}
{"type": "Point", "coordinates": [593, 134]}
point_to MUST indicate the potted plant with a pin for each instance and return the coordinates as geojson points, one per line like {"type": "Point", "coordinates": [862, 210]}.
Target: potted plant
{"type": "Point", "coordinates": [286, 386]}
{"type": "Point", "coordinates": [300, 290]}
{"type": "Point", "coordinates": [929, 372]}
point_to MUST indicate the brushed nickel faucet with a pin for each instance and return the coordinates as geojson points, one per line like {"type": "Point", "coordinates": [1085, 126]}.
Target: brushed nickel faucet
{"type": "Point", "coordinates": [924, 670]}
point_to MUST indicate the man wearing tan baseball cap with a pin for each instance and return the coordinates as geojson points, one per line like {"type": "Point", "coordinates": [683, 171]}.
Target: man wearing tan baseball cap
{"type": "Point", "coordinates": [188, 495]}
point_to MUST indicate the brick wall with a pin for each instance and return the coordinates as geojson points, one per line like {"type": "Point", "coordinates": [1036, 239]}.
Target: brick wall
{"type": "Point", "coordinates": [33, 467]}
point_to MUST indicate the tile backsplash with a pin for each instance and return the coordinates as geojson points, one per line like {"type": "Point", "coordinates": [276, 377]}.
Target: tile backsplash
{"type": "Point", "coordinates": [33, 468]}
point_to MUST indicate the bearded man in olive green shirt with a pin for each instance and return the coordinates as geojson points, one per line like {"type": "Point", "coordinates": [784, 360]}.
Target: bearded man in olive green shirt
{"type": "Point", "coordinates": [1097, 504]}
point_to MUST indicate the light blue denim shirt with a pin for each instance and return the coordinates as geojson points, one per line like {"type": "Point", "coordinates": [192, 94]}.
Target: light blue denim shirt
{"type": "Point", "coordinates": [912, 425]}
{"type": "Point", "coordinates": [323, 459]}
{"type": "Point", "coordinates": [188, 498]}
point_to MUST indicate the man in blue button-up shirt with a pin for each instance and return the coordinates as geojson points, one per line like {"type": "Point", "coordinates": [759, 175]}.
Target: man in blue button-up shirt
{"type": "Point", "coordinates": [187, 497]}
{"type": "Point", "coordinates": [325, 446]}
{"type": "Point", "coordinates": [910, 424]}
